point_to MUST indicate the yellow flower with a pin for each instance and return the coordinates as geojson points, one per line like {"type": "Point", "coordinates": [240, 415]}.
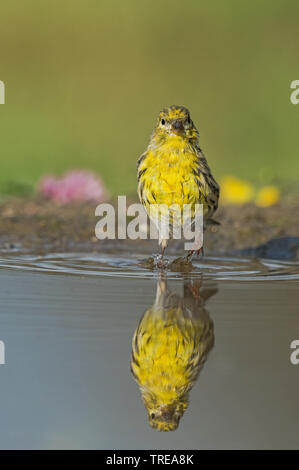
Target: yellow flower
{"type": "Point", "coordinates": [267, 196]}
{"type": "Point", "coordinates": [236, 191]}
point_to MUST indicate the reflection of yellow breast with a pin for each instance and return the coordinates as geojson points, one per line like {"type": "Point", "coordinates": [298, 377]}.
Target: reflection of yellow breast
{"type": "Point", "coordinates": [166, 352]}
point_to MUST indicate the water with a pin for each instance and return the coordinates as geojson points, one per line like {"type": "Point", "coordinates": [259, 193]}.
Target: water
{"type": "Point", "coordinates": [67, 321]}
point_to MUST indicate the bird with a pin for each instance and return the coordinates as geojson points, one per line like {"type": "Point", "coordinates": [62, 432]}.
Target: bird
{"type": "Point", "coordinates": [169, 348]}
{"type": "Point", "coordinates": [173, 172]}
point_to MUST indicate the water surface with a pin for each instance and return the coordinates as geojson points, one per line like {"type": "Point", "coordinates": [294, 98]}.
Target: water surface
{"type": "Point", "coordinates": [67, 321]}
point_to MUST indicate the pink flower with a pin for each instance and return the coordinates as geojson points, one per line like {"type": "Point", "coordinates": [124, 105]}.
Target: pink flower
{"type": "Point", "coordinates": [75, 185]}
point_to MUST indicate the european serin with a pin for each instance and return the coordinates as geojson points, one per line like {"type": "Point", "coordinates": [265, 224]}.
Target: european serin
{"type": "Point", "coordinates": [174, 171]}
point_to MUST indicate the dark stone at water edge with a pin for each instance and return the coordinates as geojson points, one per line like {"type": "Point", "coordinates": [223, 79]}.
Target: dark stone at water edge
{"type": "Point", "coordinates": [284, 248]}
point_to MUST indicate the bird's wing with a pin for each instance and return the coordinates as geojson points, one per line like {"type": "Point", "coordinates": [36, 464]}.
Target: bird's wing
{"type": "Point", "coordinates": [208, 186]}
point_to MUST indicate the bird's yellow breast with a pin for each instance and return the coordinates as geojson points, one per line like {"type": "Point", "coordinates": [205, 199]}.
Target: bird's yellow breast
{"type": "Point", "coordinates": [169, 174]}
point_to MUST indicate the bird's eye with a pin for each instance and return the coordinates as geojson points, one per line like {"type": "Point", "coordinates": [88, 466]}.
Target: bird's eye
{"type": "Point", "coordinates": [163, 122]}
{"type": "Point", "coordinates": [153, 416]}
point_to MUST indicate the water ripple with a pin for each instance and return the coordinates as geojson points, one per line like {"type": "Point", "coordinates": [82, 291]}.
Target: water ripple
{"type": "Point", "coordinates": [117, 264]}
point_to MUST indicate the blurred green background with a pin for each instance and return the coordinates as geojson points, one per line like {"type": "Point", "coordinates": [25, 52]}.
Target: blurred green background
{"type": "Point", "coordinates": [85, 80]}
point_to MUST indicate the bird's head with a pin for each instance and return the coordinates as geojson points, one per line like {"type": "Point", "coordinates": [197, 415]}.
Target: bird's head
{"type": "Point", "coordinates": [175, 122]}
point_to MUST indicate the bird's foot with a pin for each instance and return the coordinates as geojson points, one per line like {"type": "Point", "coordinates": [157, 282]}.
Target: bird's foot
{"type": "Point", "coordinates": [161, 262]}
{"type": "Point", "coordinates": [191, 253]}
{"type": "Point", "coordinates": [181, 265]}
{"type": "Point", "coordinates": [148, 263]}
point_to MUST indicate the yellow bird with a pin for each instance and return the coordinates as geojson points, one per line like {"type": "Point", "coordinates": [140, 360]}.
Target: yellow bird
{"type": "Point", "coordinates": [173, 172]}
{"type": "Point", "coordinates": [169, 347]}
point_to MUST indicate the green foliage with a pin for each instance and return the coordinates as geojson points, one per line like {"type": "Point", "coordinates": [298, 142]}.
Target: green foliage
{"type": "Point", "coordinates": [15, 188]}
{"type": "Point", "coordinates": [85, 80]}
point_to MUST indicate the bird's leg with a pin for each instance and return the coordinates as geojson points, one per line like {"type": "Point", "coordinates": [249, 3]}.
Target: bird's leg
{"type": "Point", "coordinates": [161, 263]}
{"type": "Point", "coordinates": [194, 288]}
{"type": "Point", "coordinates": [191, 253]}
{"type": "Point", "coordinates": [200, 251]}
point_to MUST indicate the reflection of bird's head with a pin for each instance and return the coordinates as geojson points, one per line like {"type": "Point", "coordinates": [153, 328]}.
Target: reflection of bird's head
{"type": "Point", "coordinates": [165, 417]}
{"type": "Point", "coordinates": [169, 348]}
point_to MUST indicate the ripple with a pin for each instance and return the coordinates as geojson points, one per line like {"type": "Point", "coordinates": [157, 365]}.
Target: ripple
{"type": "Point", "coordinates": [120, 265]}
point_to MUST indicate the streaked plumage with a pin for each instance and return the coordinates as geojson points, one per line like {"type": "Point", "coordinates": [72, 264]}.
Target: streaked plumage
{"type": "Point", "coordinates": [173, 169]}
{"type": "Point", "coordinates": [169, 347]}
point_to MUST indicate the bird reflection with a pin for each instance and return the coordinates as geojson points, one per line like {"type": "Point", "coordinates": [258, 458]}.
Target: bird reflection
{"type": "Point", "coordinates": [169, 348]}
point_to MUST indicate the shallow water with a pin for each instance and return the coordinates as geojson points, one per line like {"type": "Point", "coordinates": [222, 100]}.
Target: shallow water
{"type": "Point", "coordinates": [67, 321]}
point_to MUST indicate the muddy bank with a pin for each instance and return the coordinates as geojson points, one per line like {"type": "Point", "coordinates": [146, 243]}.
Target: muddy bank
{"type": "Point", "coordinates": [43, 226]}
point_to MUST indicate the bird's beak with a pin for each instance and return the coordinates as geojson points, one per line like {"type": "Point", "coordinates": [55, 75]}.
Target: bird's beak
{"type": "Point", "coordinates": [166, 413]}
{"type": "Point", "coordinates": [177, 126]}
